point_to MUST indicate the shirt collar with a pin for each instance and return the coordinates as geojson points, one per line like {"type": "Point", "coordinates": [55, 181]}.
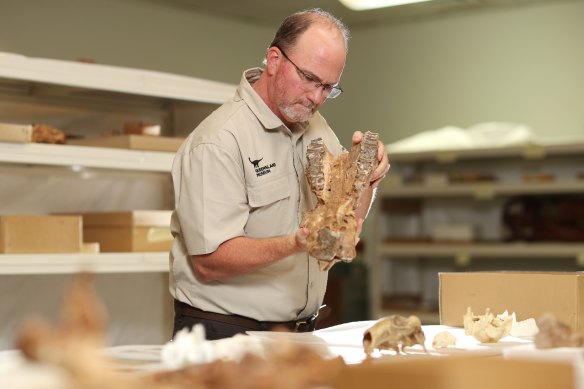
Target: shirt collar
{"type": "Point", "coordinates": [264, 114]}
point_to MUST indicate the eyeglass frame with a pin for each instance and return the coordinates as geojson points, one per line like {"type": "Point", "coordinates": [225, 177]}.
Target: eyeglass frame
{"type": "Point", "coordinates": [335, 90]}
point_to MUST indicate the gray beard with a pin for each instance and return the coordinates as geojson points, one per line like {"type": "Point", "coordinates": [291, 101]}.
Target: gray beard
{"type": "Point", "coordinates": [294, 115]}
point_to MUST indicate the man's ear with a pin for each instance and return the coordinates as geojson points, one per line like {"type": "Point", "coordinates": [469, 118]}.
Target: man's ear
{"type": "Point", "coordinates": [273, 60]}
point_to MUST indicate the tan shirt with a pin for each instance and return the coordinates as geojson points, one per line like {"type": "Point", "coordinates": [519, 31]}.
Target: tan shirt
{"type": "Point", "coordinates": [241, 173]}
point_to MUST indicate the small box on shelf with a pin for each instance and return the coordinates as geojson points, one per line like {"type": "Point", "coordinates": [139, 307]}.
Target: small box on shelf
{"type": "Point", "coordinates": [31, 234]}
{"type": "Point", "coordinates": [129, 231]}
{"type": "Point", "coordinates": [132, 142]}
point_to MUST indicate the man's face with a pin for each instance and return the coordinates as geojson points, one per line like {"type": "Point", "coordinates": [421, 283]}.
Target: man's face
{"type": "Point", "coordinates": [317, 58]}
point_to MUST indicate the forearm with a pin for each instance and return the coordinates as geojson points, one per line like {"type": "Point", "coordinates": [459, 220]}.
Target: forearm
{"type": "Point", "coordinates": [242, 255]}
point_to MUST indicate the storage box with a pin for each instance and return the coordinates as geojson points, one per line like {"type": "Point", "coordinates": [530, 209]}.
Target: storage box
{"type": "Point", "coordinates": [15, 132]}
{"type": "Point", "coordinates": [457, 373]}
{"type": "Point", "coordinates": [528, 294]}
{"type": "Point", "coordinates": [20, 234]}
{"type": "Point", "coordinates": [133, 142]}
{"type": "Point", "coordinates": [128, 230]}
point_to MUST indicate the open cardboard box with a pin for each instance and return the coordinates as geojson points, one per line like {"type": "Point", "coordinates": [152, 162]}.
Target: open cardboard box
{"type": "Point", "coordinates": [528, 294]}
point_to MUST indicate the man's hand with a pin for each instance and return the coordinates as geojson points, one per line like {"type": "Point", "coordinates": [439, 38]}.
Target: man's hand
{"type": "Point", "coordinates": [358, 229]}
{"type": "Point", "coordinates": [300, 238]}
{"type": "Point", "coordinates": [383, 162]}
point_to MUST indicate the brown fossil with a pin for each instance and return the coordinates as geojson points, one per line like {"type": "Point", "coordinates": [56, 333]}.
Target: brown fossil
{"type": "Point", "coordinates": [72, 348]}
{"type": "Point", "coordinates": [486, 328]}
{"type": "Point", "coordinates": [554, 333]}
{"type": "Point", "coordinates": [338, 185]}
{"type": "Point", "coordinates": [394, 332]}
{"type": "Point", "coordinates": [42, 133]}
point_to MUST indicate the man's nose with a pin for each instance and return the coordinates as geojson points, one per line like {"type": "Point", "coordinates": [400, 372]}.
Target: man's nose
{"type": "Point", "coordinates": [318, 95]}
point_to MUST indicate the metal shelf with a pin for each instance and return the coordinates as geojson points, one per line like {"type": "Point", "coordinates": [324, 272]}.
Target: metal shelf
{"type": "Point", "coordinates": [481, 190]}
{"type": "Point", "coordinates": [113, 79]}
{"type": "Point", "coordinates": [425, 316]}
{"type": "Point", "coordinates": [83, 156]}
{"type": "Point", "coordinates": [529, 152]}
{"type": "Point", "coordinates": [486, 250]}
{"type": "Point", "coordinates": [144, 262]}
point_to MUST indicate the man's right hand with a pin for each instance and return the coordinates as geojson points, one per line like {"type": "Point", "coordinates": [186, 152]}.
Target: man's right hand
{"type": "Point", "coordinates": [301, 236]}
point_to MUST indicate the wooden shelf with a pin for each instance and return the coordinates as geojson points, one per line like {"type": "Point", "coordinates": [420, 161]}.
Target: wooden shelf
{"type": "Point", "coordinates": [72, 263]}
{"type": "Point", "coordinates": [83, 156]}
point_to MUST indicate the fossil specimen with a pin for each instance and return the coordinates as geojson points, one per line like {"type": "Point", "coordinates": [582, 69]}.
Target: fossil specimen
{"type": "Point", "coordinates": [486, 328]}
{"type": "Point", "coordinates": [553, 333]}
{"type": "Point", "coordinates": [72, 348]}
{"type": "Point", "coordinates": [338, 185]}
{"type": "Point", "coordinates": [394, 332]}
{"type": "Point", "coordinates": [443, 340]}
{"type": "Point", "coordinates": [42, 133]}
{"type": "Point", "coordinates": [523, 328]}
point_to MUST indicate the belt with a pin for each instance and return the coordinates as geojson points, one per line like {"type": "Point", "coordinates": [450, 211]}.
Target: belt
{"type": "Point", "coordinates": [301, 325]}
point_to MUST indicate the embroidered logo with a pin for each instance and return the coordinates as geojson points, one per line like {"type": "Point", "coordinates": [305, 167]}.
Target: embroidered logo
{"type": "Point", "coordinates": [256, 163]}
{"type": "Point", "coordinates": [261, 170]}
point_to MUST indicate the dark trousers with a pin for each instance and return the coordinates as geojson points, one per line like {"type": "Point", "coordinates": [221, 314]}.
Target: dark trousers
{"type": "Point", "coordinates": [219, 326]}
{"type": "Point", "coordinates": [213, 329]}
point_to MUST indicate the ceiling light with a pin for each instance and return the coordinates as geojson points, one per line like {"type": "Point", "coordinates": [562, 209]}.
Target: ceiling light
{"type": "Point", "coordinates": [361, 5]}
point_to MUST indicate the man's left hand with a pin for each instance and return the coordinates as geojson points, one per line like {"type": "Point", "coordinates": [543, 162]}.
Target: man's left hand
{"type": "Point", "coordinates": [383, 162]}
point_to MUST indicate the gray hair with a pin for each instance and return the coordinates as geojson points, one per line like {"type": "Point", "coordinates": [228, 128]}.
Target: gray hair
{"type": "Point", "coordinates": [294, 25]}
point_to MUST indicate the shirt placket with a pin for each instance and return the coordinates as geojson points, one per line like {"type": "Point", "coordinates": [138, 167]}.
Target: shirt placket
{"type": "Point", "coordinates": [304, 203]}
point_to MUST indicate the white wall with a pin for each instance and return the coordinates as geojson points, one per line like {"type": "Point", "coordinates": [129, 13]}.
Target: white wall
{"type": "Point", "coordinates": [134, 33]}
{"type": "Point", "coordinates": [522, 65]}
{"type": "Point", "coordinates": [519, 64]}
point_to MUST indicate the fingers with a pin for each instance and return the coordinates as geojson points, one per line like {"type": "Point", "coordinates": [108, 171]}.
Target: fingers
{"type": "Point", "coordinates": [357, 137]}
{"type": "Point", "coordinates": [382, 167]}
{"type": "Point", "coordinates": [358, 229]}
{"type": "Point", "coordinates": [301, 236]}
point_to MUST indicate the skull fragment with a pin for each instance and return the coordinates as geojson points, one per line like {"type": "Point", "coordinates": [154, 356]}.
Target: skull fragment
{"type": "Point", "coordinates": [394, 332]}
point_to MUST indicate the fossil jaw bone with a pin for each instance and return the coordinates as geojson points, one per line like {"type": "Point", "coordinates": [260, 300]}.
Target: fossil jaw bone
{"type": "Point", "coordinates": [338, 185]}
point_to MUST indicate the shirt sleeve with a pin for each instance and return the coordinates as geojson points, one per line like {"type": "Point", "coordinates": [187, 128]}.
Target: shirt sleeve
{"type": "Point", "coordinates": [211, 206]}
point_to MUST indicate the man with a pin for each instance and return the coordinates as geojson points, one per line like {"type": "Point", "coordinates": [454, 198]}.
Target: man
{"type": "Point", "coordinates": [239, 260]}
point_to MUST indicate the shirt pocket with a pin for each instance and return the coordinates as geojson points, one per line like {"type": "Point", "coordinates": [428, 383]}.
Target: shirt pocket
{"type": "Point", "coordinates": [268, 192]}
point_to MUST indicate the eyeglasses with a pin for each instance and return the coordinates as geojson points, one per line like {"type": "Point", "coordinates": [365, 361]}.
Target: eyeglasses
{"type": "Point", "coordinates": [331, 91]}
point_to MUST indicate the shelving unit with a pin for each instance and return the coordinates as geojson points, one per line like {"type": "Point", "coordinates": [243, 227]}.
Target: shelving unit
{"type": "Point", "coordinates": [82, 156]}
{"type": "Point", "coordinates": [88, 100]}
{"type": "Point", "coordinates": [74, 263]}
{"type": "Point", "coordinates": [53, 89]}
{"type": "Point", "coordinates": [409, 205]}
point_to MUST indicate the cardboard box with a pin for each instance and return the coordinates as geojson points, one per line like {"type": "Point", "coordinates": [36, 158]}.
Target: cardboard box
{"type": "Point", "coordinates": [457, 373]}
{"type": "Point", "coordinates": [128, 231]}
{"type": "Point", "coordinates": [30, 234]}
{"type": "Point", "coordinates": [528, 294]}
{"type": "Point", "coordinates": [133, 142]}
{"type": "Point", "coordinates": [21, 133]}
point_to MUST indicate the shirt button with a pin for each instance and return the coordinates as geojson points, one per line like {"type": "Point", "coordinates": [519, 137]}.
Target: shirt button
{"type": "Point", "coordinates": [311, 284]}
